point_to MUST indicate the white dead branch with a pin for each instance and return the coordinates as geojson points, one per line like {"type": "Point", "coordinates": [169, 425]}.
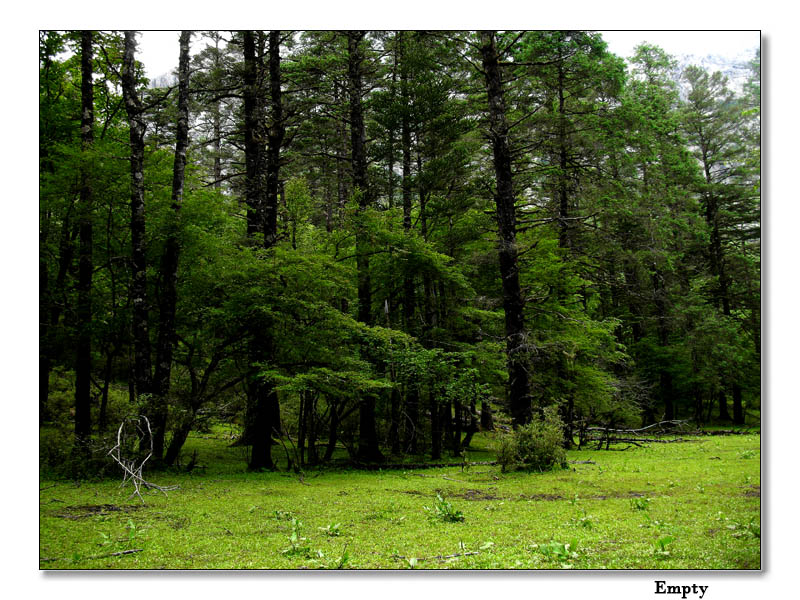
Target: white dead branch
{"type": "Point", "coordinates": [132, 469]}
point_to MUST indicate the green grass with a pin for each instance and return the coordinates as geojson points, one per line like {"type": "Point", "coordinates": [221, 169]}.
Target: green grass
{"type": "Point", "coordinates": [692, 505]}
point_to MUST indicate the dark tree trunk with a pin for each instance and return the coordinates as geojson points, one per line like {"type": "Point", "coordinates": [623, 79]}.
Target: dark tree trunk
{"type": "Point", "coordinates": [141, 336]}
{"type": "Point", "coordinates": [253, 124]}
{"type": "Point", "coordinates": [263, 418]}
{"type": "Point", "coordinates": [487, 422]}
{"type": "Point", "coordinates": [179, 436]}
{"type": "Point", "coordinates": [169, 261]}
{"type": "Point", "coordinates": [411, 422]}
{"type": "Point", "coordinates": [412, 392]}
{"type": "Point", "coordinates": [665, 377]}
{"type": "Point", "coordinates": [368, 449]}
{"type": "Point", "coordinates": [436, 429]}
{"type": "Point", "coordinates": [513, 304]}
{"type": "Point", "coordinates": [738, 412]}
{"type": "Point", "coordinates": [722, 403]}
{"type": "Point", "coordinates": [333, 428]}
{"type": "Point", "coordinates": [275, 135]}
{"type": "Point", "coordinates": [472, 427]}
{"type": "Point", "coordinates": [83, 350]}
{"type": "Point", "coordinates": [311, 424]}
{"type": "Point", "coordinates": [458, 427]}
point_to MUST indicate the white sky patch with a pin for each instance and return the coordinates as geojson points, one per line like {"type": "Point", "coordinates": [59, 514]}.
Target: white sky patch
{"type": "Point", "coordinates": [158, 50]}
{"type": "Point", "coordinates": [732, 45]}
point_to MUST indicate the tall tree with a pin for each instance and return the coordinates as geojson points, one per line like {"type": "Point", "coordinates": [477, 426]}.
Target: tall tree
{"type": "Point", "coordinates": [83, 362]}
{"type": "Point", "coordinates": [368, 435]}
{"type": "Point", "coordinates": [513, 304]}
{"type": "Point", "coordinates": [716, 128]}
{"type": "Point", "coordinates": [169, 261]}
{"type": "Point", "coordinates": [142, 372]}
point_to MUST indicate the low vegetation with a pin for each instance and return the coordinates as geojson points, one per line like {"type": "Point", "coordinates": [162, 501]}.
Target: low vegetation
{"type": "Point", "coordinates": [684, 505]}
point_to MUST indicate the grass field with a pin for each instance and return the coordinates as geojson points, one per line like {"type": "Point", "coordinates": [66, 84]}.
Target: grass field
{"type": "Point", "coordinates": [684, 505]}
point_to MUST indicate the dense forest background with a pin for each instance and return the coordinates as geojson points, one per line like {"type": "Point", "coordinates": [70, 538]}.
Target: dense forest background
{"type": "Point", "coordinates": [388, 240]}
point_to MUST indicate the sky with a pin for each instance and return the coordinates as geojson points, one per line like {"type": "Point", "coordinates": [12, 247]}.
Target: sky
{"type": "Point", "coordinates": [158, 50]}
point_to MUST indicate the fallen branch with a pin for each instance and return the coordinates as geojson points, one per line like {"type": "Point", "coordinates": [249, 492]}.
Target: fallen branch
{"type": "Point", "coordinates": [608, 430]}
{"type": "Point", "coordinates": [96, 556]}
{"type": "Point", "coordinates": [133, 471]}
{"type": "Point", "coordinates": [122, 553]}
{"type": "Point", "coordinates": [439, 557]}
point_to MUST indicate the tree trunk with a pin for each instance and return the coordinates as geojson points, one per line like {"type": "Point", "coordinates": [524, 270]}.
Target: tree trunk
{"type": "Point", "coordinates": [252, 134]}
{"type": "Point", "coordinates": [722, 400]}
{"type": "Point", "coordinates": [368, 449]}
{"type": "Point", "coordinates": [169, 261]}
{"type": "Point", "coordinates": [513, 304]}
{"type": "Point", "coordinates": [436, 429]}
{"type": "Point", "coordinates": [472, 427]}
{"type": "Point", "coordinates": [263, 409]}
{"type": "Point", "coordinates": [275, 135]}
{"type": "Point", "coordinates": [141, 335]}
{"type": "Point", "coordinates": [487, 423]}
{"type": "Point", "coordinates": [83, 350]}
{"type": "Point", "coordinates": [333, 428]}
{"type": "Point", "coordinates": [412, 392]}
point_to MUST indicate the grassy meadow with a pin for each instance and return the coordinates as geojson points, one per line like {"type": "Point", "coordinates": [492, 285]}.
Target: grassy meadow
{"type": "Point", "coordinates": [686, 505]}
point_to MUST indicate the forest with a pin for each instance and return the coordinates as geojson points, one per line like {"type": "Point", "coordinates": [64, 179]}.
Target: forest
{"type": "Point", "coordinates": [357, 251]}
{"type": "Point", "coordinates": [389, 240]}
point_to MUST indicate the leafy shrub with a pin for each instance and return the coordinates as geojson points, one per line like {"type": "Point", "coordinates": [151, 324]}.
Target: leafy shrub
{"type": "Point", "coordinates": [444, 511]}
{"type": "Point", "coordinates": [506, 452]}
{"type": "Point", "coordinates": [539, 445]}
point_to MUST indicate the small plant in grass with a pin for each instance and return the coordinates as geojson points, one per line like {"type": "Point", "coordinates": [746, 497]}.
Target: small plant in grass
{"type": "Point", "coordinates": [559, 551]}
{"type": "Point", "coordinates": [332, 530]}
{"type": "Point", "coordinates": [297, 546]}
{"type": "Point", "coordinates": [640, 503]}
{"type": "Point", "coordinates": [748, 454]}
{"type": "Point", "coordinates": [586, 521]}
{"type": "Point", "coordinates": [751, 529]}
{"type": "Point", "coordinates": [343, 559]}
{"type": "Point", "coordinates": [660, 550]}
{"type": "Point", "coordinates": [132, 532]}
{"type": "Point", "coordinates": [442, 510]}
{"type": "Point", "coordinates": [651, 522]}
{"type": "Point", "coordinates": [282, 515]}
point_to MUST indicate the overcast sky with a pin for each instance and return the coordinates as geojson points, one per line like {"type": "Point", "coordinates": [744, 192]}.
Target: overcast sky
{"type": "Point", "coordinates": [158, 50]}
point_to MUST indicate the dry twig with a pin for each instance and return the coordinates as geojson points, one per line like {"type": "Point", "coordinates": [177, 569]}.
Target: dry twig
{"type": "Point", "coordinates": [131, 469]}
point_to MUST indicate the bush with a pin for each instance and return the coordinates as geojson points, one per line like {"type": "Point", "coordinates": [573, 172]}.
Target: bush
{"type": "Point", "coordinates": [535, 446]}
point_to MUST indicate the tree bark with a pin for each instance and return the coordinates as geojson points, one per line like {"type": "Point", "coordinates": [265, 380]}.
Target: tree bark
{"type": "Point", "coordinates": [253, 122]}
{"type": "Point", "coordinates": [513, 304]}
{"type": "Point", "coordinates": [412, 392]}
{"type": "Point", "coordinates": [141, 336]}
{"type": "Point", "coordinates": [368, 449]}
{"type": "Point", "coordinates": [170, 258]}
{"type": "Point", "coordinates": [83, 350]}
{"type": "Point", "coordinates": [263, 418]}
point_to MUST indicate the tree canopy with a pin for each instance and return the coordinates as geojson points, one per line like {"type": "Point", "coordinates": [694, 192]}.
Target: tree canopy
{"type": "Point", "coordinates": [384, 240]}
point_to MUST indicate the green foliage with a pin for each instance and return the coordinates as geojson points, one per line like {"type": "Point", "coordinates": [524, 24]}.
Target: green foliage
{"type": "Point", "coordinates": [443, 510]}
{"type": "Point", "coordinates": [537, 446]}
{"type": "Point", "coordinates": [660, 550]}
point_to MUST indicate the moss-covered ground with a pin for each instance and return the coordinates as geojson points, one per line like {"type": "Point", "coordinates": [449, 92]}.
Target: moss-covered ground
{"type": "Point", "coordinates": [685, 505]}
